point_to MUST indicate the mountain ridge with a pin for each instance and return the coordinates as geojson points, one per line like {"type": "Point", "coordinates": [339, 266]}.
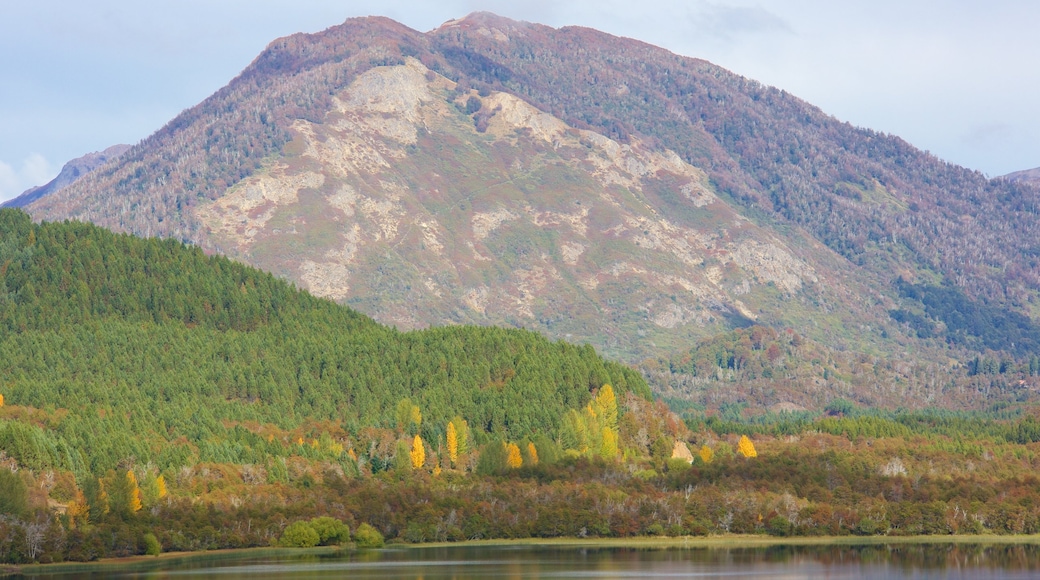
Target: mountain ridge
{"type": "Point", "coordinates": [1026, 175]}
{"type": "Point", "coordinates": [70, 172]}
{"type": "Point", "coordinates": [862, 210]}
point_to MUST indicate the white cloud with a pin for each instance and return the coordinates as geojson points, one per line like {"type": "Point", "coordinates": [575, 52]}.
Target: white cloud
{"type": "Point", "coordinates": [35, 170]}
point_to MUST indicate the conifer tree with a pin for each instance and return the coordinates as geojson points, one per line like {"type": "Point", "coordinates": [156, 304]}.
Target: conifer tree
{"type": "Point", "coordinates": [461, 435]}
{"type": "Point", "coordinates": [409, 416]}
{"type": "Point", "coordinates": [97, 498]}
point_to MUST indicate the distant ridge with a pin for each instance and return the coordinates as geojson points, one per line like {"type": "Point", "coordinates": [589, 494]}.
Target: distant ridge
{"type": "Point", "coordinates": [1026, 176]}
{"type": "Point", "coordinates": [70, 173]}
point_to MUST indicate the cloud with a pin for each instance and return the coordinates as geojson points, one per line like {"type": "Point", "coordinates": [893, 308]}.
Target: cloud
{"type": "Point", "coordinates": [729, 22]}
{"type": "Point", "coordinates": [35, 170]}
{"type": "Point", "coordinates": [988, 135]}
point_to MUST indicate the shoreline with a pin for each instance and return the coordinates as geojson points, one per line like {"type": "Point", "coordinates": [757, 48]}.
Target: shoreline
{"type": "Point", "coordinates": [732, 541]}
{"type": "Point", "coordinates": [142, 562]}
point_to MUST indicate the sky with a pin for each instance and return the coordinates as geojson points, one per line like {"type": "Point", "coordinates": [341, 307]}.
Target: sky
{"type": "Point", "coordinates": [958, 78]}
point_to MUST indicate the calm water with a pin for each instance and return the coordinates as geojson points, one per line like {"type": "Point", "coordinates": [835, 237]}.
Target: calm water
{"type": "Point", "coordinates": [783, 562]}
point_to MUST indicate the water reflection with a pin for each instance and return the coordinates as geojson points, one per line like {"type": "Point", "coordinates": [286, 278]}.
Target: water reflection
{"type": "Point", "coordinates": [523, 562]}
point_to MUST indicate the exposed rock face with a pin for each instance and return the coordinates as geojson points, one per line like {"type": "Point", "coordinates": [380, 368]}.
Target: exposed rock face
{"type": "Point", "coordinates": [70, 173]}
{"type": "Point", "coordinates": [399, 203]}
{"type": "Point", "coordinates": [682, 451]}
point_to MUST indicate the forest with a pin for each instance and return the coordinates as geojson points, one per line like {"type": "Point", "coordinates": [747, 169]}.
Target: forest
{"type": "Point", "coordinates": [154, 398]}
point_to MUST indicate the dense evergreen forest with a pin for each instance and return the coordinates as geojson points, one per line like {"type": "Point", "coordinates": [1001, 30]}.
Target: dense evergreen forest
{"type": "Point", "coordinates": [165, 354]}
{"type": "Point", "coordinates": [153, 398]}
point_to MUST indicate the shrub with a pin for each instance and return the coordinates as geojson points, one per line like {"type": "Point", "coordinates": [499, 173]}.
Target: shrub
{"type": "Point", "coordinates": [152, 547]}
{"type": "Point", "coordinates": [330, 530]}
{"type": "Point", "coordinates": [368, 537]}
{"type": "Point", "coordinates": [677, 465]}
{"type": "Point", "coordinates": [299, 535]}
{"type": "Point", "coordinates": [779, 526]}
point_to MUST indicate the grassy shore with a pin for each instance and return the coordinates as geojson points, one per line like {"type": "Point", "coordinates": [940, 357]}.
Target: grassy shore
{"type": "Point", "coordinates": [731, 541]}
{"type": "Point", "coordinates": [145, 563]}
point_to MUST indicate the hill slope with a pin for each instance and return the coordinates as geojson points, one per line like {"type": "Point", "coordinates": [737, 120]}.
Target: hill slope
{"type": "Point", "coordinates": [150, 350]}
{"type": "Point", "coordinates": [433, 178]}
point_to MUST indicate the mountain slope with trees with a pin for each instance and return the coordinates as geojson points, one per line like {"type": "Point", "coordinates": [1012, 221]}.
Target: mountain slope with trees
{"type": "Point", "coordinates": [153, 398]}
{"type": "Point", "coordinates": [281, 169]}
{"type": "Point", "coordinates": [150, 350]}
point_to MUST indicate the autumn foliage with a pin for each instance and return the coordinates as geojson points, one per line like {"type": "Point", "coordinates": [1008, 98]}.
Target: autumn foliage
{"type": "Point", "coordinates": [746, 448]}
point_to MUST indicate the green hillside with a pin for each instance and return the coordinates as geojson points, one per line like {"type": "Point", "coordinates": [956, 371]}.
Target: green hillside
{"type": "Point", "coordinates": [117, 349]}
{"type": "Point", "coordinates": [158, 399]}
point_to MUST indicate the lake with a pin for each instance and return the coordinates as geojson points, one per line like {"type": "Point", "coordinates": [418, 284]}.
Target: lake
{"type": "Point", "coordinates": [917, 561]}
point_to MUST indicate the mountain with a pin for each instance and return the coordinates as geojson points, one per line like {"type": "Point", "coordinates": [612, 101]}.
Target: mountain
{"type": "Point", "coordinates": [1028, 176]}
{"type": "Point", "coordinates": [590, 187]}
{"type": "Point", "coordinates": [72, 171]}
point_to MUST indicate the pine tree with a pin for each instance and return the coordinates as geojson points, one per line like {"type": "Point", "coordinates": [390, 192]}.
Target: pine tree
{"type": "Point", "coordinates": [409, 416]}
{"type": "Point", "coordinates": [97, 498]}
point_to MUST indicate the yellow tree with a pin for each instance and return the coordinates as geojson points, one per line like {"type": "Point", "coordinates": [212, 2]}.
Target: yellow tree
{"type": "Point", "coordinates": [706, 454]}
{"type": "Point", "coordinates": [461, 434]}
{"type": "Point", "coordinates": [609, 444]}
{"type": "Point", "coordinates": [453, 444]}
{"type": "Point", "coordinates": [78, 508]}
{"type": "Point", "coordinates": [513, 457]}
{"type": "Point", "coordinates": [160, 485]}
{"type": "Point", "coordinates": [134, 502]}
{"type": "Point", "coordinates": [605, 407]}
{"type": "Point", "coordinates": [153, 488]}
{"type": "Point", "coordinates": [1, 400]}
{"type": "Point", "coordinates": [532, 453]}
{"type": "Point", "coordinates": [746, 447]}
{"type": "Point", "coordinates": [418, 453]}
{"type": "Point", "coordinates": [593, 429]}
